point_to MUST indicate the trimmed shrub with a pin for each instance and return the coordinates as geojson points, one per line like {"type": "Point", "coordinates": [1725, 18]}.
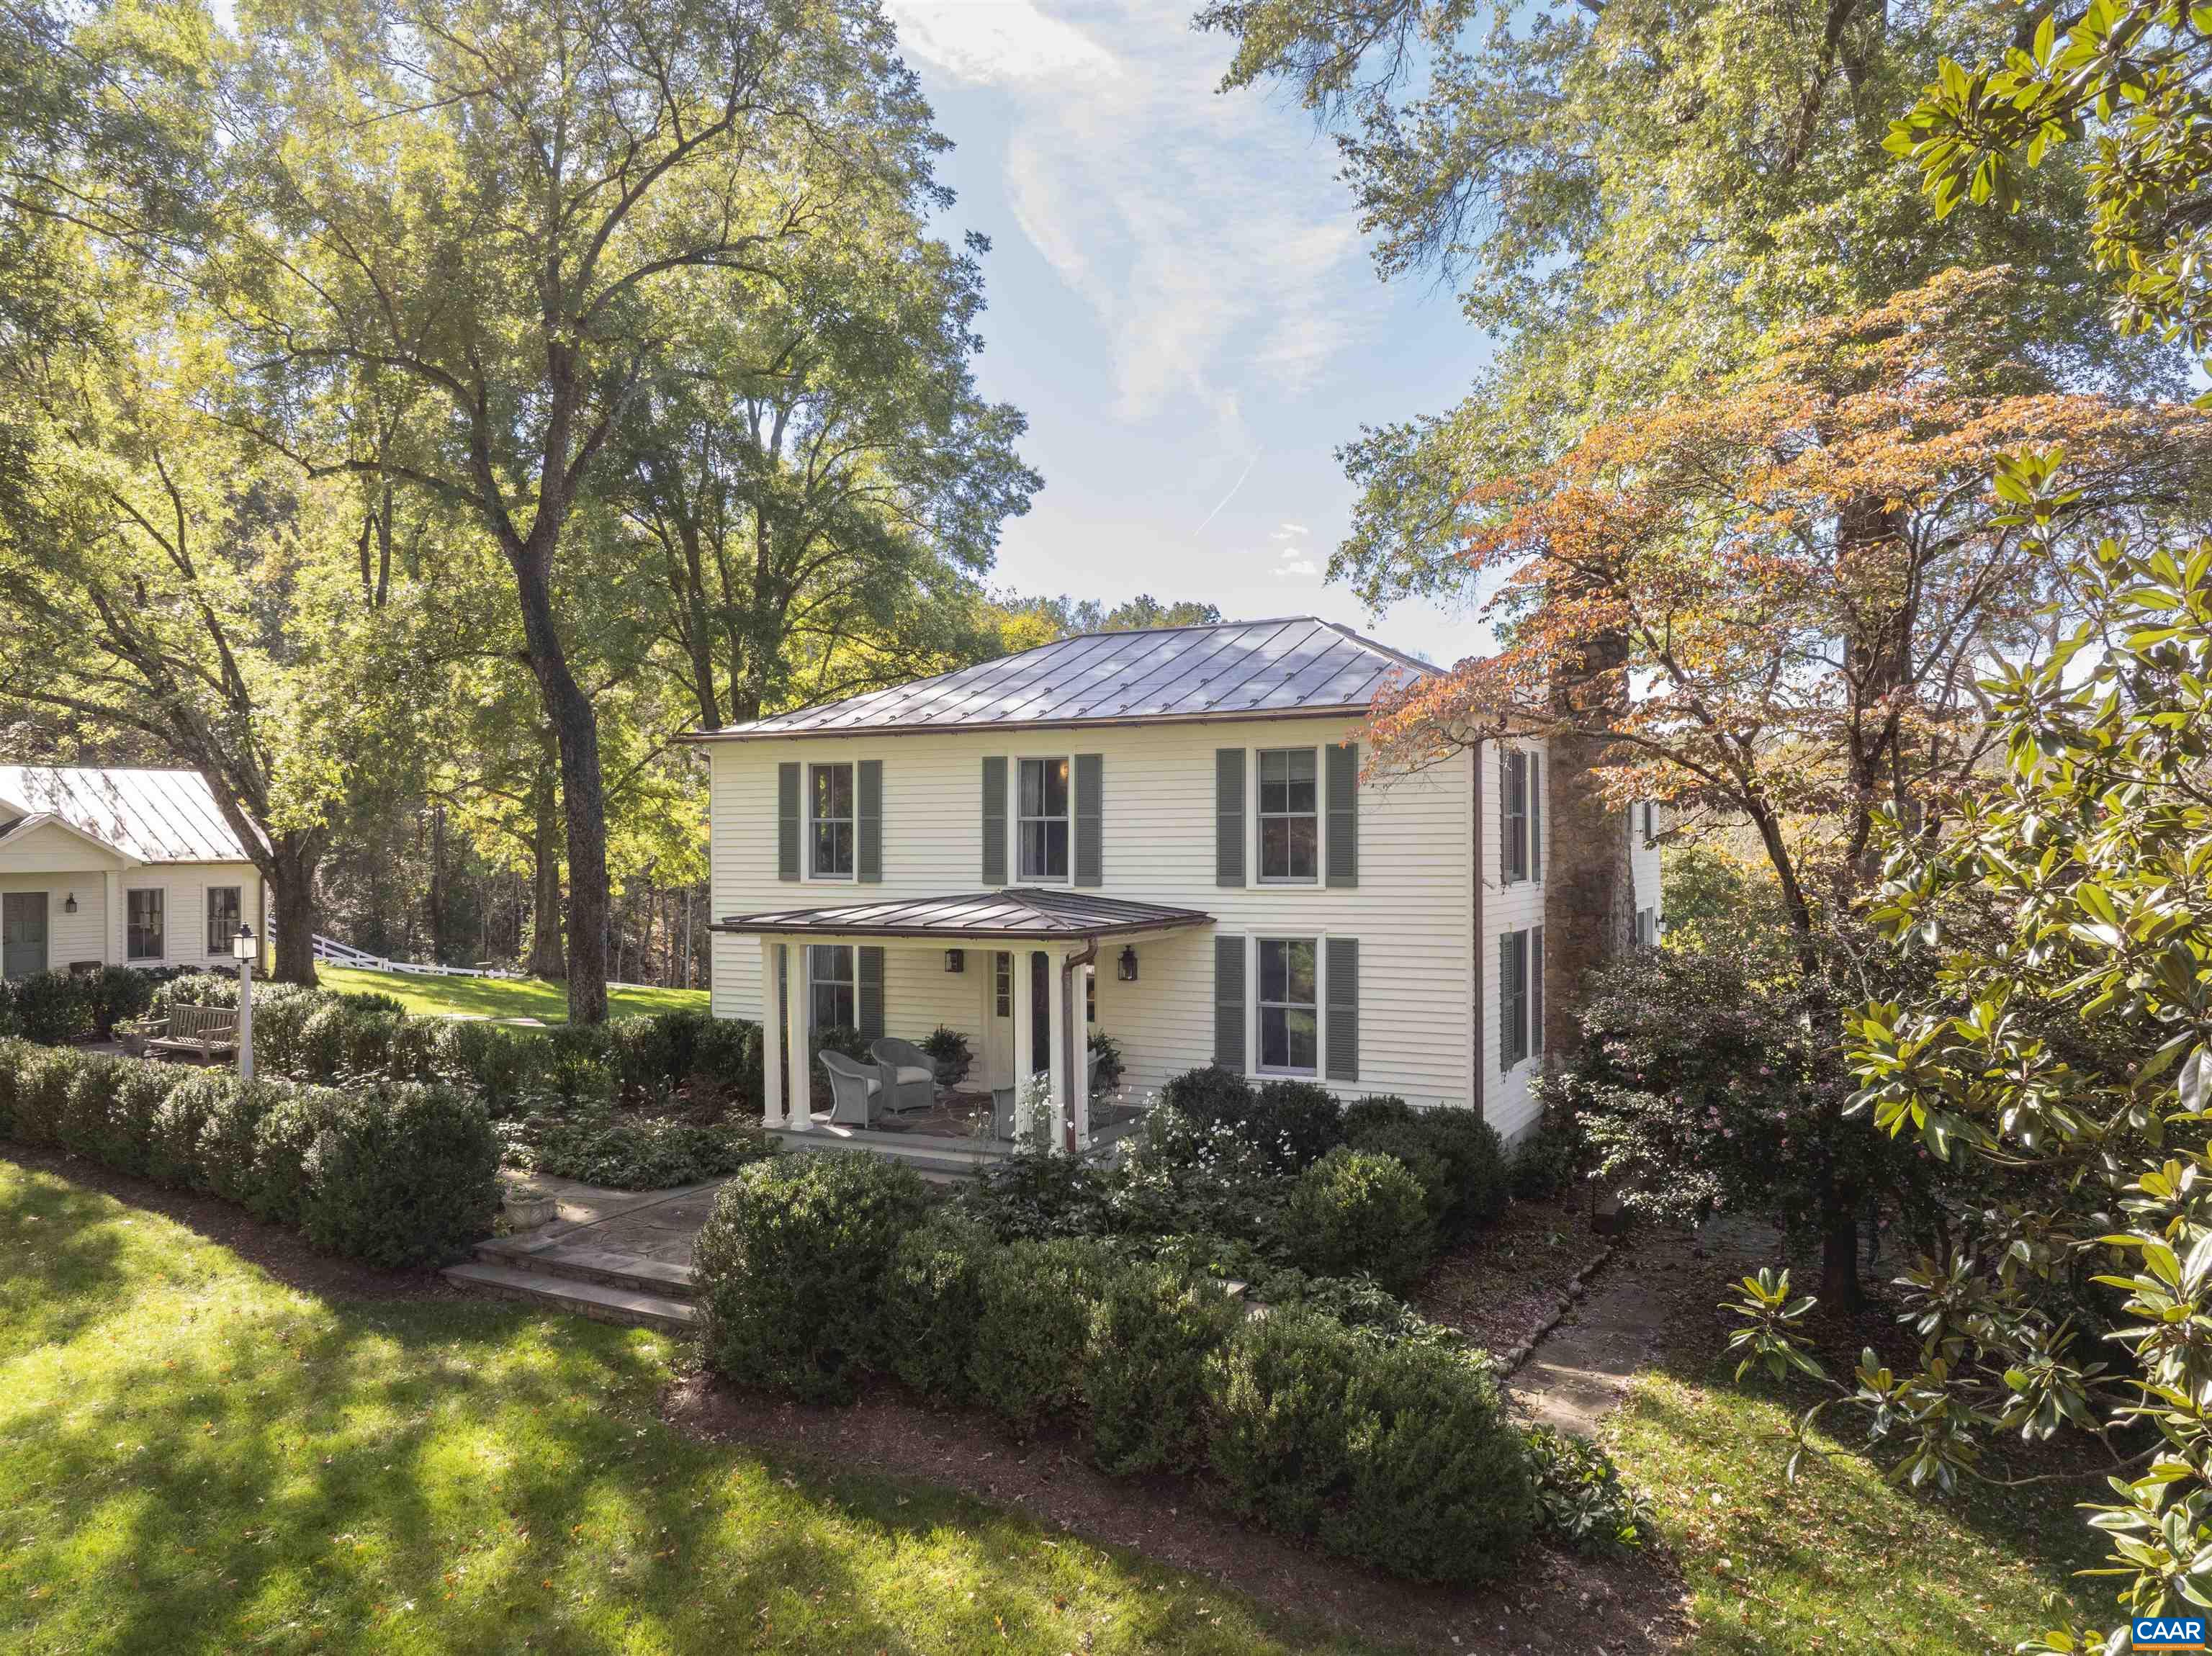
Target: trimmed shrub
{"type": "Point", "coordinates": [404, 1175]}
{"type": "Point", "coordinates": [1034, 1326]}
{"type": "Point", "coordinates": [173, 1144]}
{"type": "Point", "coordinates": [726, 1056]}
{"type": "Point", "coordinates": [373, 1000]}
{"type": "Point", "coordinates": [15, 1054]}
{"type": "Point", "coordinates": [279, 1026]}
{"type": "Point", "coordinates": [790, 1267]}
{"type": "Point", "coordinates": [1276, 1397]}
{"type": "Point", "coordinates": [1299, 1121]}
{"type": "Point", "coordinates": [1401, 1455]}
{"type": "Point", "coordinates": [42, 1088]}
{"type": "Point", "coordinates": [1209, 1095]}
{"type": "Point", "coordinates": [206, 989]}
{"type": "Point", "coordinates": [1372, 1115]}
{"type": "Point", "coordinates": [1356, 1210]}
{"type": "Point", "coordinates": [501, 1064]}
{"type": "Point", "coordinates": [140, 1089]}
{"type": "Point", "coordinates": [932, 1298]}
{"type": "Point", "coordinates": [1144, 1377]}
{"type": "Point", "coordinates": [1456, 1154]}
{"type": "Point", "coordinates": [89, 1087]}
{"type": "Point", "coordinates": [121, 991]}
{"type": "Point", "coordinates": [637, 1153]}
{"type": "Point", "coordinates": [1409, 1147]}
{"type": "Point", "coordinates": [53, 1007]}
{"type": "Point", "coordinates": [230, 1139]}
{"type": "Point", "coordinates": [295, 1116]}
{"type": "Point", "coordinates": [1543, 1164]}
{"type": "Point", "coordinates": [1438, 1481]}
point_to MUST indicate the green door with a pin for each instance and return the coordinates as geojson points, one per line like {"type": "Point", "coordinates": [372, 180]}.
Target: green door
{"type": "Point", "coordinates": [22, 933]}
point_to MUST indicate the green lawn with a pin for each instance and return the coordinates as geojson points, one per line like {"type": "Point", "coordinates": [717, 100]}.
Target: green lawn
{"type": "Point", "coordinates": [498, 998]}
{"type": "Point", "coordinates": [197, 1458]}
{"type": "Point", "coordinates": [1839, 1561]}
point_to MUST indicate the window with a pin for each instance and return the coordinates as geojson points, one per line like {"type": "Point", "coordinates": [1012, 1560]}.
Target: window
{"type": "Point", "coordinates": [830, 822]}
{"type": "Point", "coordinates": [1002, 985]}
{"type": "Point", "coordinates": [830, 965]}
{"type": "Point", "coordinates": [223, 909]}
{"type": "Point", "coordinates": [1091, 997]}
{"type": "Point", "coordinates": [1288, 1026]}
{"type": "Point", "coordinates": [1290, 822]}
{"type": "Point", "coordinates": [1044, 819]}
{"type": "Point", "coordinates": [1514, 774]}
{"type": "Point", "coordinates": [143, 938]}
{"type": "Point", "coordinates": [1512, 998]}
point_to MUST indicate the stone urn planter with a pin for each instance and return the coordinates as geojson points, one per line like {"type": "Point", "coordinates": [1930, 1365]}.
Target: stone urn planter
{"type": "Point", "coordinates": [525, 1207]}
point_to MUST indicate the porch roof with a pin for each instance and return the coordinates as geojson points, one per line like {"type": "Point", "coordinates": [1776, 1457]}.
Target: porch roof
{"type": "Point", "coordinates": [1038, 914]}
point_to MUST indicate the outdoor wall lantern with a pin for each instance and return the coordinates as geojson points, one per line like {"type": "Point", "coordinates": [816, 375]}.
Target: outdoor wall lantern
{"type": "Point", "coordinates": [1126, 969]}
{"type": "Point", "coordinates": [955, 961]}
{"type": "Point", "coordinates": [68, 904]}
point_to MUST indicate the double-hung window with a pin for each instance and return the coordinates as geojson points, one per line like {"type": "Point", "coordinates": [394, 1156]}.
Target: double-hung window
{"type": "Point", "coordinates": [143, 936]}
{"type": "Point", "coordinates": [829, 969]}
{"type": "Point", "coordinates": [830, 821]}
{"type": "Point", "coordinates": [1288, 1024]}
{"type": "Point", "coordinates": [223, 911]}
{"type": "Point", "coordinates": [1044, 818]}
{"type": "Point", "coordinates": [1290, 819]}
{"type": "Point", "coordinates": [1002, 984]}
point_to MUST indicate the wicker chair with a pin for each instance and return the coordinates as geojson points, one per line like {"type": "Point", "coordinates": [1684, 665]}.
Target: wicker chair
{"type": "Point", "coordinates": [909, 1078]}
{"type": "Point", "coordinates": [853, 1090]}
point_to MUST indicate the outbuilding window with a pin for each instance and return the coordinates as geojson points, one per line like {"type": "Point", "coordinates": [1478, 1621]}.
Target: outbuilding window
{"type": "Point", "coordinates": [144, 937]}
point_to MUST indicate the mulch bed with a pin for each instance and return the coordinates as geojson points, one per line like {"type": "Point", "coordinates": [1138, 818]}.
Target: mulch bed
{"type": "Point", "coordinates": [1555, 1601]}
{"type": "Point", "coordinates": [1498, 1287]}
{"type": "Point", "coordinates": [277, 1249]}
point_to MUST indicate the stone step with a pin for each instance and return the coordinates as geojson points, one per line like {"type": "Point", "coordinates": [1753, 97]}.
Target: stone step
{"type": "Point", "coordinates": [601, 1301]}
{"type": "Point", "coordinates": [584, 1264]}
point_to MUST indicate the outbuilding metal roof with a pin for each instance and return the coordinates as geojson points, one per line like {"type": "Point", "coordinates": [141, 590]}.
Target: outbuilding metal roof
{"type": "Point", "coordinates": [1238, 669]}
{"type": "Point", "coordinates": [1040, 915]}
{"type": "Point", "coordinates": [156, 816]}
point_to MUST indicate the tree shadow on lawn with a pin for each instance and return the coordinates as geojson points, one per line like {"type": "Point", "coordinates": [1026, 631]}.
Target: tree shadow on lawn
{"type": "Point", "coordinates": [204, 1459]}
{"type": "Point", "coordinates": [1838, 1558]}
{"type": "Point", "coordinates": [1549, 1600]}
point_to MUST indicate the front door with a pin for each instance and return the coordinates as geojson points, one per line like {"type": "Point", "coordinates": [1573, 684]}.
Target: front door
{"type": "Point", "coordinates": [998, 1021]}
{"type": "Point", "coordinates": [22, 933]}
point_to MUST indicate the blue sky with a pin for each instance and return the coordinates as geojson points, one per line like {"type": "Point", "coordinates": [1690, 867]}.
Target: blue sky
{"type": "Point", "coordinates": [1182, 304]}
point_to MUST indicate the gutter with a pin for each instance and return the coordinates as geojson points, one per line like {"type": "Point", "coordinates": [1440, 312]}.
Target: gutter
{"type": "Point", "coordinates": [1239, 716]}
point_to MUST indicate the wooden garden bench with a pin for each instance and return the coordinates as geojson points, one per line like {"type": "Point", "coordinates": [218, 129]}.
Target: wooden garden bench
{"type": "Point", "coordinates": [199, 1031]}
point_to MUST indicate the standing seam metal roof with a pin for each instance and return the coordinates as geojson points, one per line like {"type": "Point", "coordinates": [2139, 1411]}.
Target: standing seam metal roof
{"type": "Point", "coordinates": [1296, 663]}
{"type": "Point", "coordinates": [155, 815]}
{"type": "Point", "coordinates": [1017, 913]}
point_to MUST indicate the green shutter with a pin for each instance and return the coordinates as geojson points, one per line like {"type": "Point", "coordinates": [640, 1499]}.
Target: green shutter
{"type": "Point", "coordinates": [868, 991]}
{"type": "Point", "coordinates": [994, 821]}
{"type": "Point", "coordinates": [1229, 819]}
{"type": "Point", "coordinates": [1535, 817]}
{"type": "Point", "coordinates": [868, 829]}
{"type": "Point", "coordinates": [1343, 802]}
{"type": "Point", "coordinates": [787, 822]}
{"type": "Point", "coordinates": [1340, 966]}
{"type": "Point", "coordinates": [1090, 825]}
{"type": "Point", "coordinates": [1229, 999]}
{"type": "Point", "coordinates": [1509, 1004]}
{"type": "Point", "coordinates": [1536, 990]}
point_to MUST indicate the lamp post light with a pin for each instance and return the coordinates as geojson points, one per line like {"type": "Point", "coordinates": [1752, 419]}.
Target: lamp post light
{"type": "Point", "coordinates": [242, 950]}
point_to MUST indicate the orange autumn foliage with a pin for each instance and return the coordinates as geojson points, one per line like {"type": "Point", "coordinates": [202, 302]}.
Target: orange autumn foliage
{"type": "Point", "coordinates": [1802, 569]}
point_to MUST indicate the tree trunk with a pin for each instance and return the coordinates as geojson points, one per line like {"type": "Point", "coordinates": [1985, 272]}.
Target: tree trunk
{"type": "Point", "coordinates": [1590, 892]}
{"type": "Point", "coordinates": [1839, 1246]}
{"type": "Point", "coordinates": [291, 878]}
{"type": "Point", "coordinates": [547, 958]}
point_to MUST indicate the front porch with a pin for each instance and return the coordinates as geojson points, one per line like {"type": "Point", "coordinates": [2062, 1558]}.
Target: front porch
{"type": "Point", "coordinates": [1014, 973]}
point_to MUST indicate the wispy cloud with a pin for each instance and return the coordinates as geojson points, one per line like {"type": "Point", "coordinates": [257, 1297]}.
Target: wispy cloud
{"type": "Point", "coordinates": [1205, 233]}
{"type": "Point", "coordinates": [1299, 566]}
{"type": "Point", "coordinates": [1288, 532]}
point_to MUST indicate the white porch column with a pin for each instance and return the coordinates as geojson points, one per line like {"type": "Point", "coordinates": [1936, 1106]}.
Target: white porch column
{"type": "Point", "coordinates": [1079, 989]}
{"type": "Point", "coordinates": [771, 1028]}
{"type": "Point", "coordinates": [1025, 1031]}
{"type": "Point", "coordinates": [799, 1107]}
{"type": "Point", "coordinates": [110, 918]}
{"type": "Point", "coordinates": [1056, 976]}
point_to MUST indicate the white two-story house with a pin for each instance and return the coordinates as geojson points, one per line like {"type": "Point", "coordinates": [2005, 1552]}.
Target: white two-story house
{"type": "Point", "coordinates": [1165, 835]}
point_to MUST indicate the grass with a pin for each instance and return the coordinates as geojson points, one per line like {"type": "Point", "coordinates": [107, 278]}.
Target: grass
{"type": "Point", "coordinates": [200, 1459]}
{"type": "Point", "coordinates": [1839, 1561]}
{"type": "Point", "coordinates": [499, 998]}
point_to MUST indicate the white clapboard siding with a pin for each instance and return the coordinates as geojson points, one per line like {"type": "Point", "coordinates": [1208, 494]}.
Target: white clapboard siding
{"type": "Point", "coordinates": [1412, 911]}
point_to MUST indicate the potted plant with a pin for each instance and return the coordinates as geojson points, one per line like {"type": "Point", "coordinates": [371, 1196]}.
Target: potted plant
{"type": "Point", "coordinates": [949, 1055]}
